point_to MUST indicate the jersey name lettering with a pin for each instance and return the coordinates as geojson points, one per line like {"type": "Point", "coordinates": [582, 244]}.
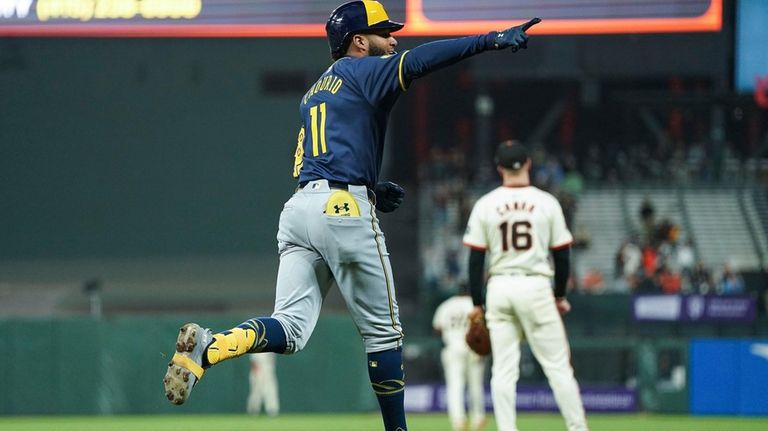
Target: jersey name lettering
{"type": "Point", "coordinates": [509, 207]}
{"type": "Point", "coordinates": [330, 83]}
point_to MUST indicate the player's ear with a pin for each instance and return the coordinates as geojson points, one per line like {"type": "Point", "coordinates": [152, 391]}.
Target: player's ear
{"type": "Point", "coordinates": [360, 42]}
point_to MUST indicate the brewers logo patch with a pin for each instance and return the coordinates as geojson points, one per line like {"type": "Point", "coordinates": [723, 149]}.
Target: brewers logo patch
{"type": "Point", "coordinates": [342, 204]}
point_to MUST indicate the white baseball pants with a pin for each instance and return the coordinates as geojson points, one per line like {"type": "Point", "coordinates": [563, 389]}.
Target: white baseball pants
{"type": "Point", "coordinates": [464, 370]}
{"type": "Point", "coordinates": [523, 307]}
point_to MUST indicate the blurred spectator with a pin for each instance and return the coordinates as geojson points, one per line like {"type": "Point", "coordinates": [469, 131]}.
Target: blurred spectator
{"type": "Point", "coordinates": [666, 231]}
{"type": "Point", "coordinates": [592, 166]}
{"type": "Point", "coordinates": [628, 259]}
{"type": "Point", "coordinates": [731, 283]}
{"type": "Point", "coordinates": [628, 284]}
{"type": "Point", "coordinates": [568, 203]}
{"type": "Point", "coordinates": [573, 182]}
{"type": "Point", "coordinates": [684, 258]}
{"type": "Point", "coordinates": [549, 175]}
{"type": "Point", "coordinates": [696, 161]}
{"type": "Point", "coordinates": [648, 284]}
{"type": "Point", "coordinates": [669, 281]}
{"type": "Point", "coordinates": [650, 260]}
{"type": "Point", "coordinates": [572, 186]}
{"type": "Point", "coordinates": [648, 219]}
{"type": "Point", "coordinates": [593, 282]}
{"type": "Point", "coordinates": [581, 236]}
{"type": "Point", "coordinates": [701, 279]}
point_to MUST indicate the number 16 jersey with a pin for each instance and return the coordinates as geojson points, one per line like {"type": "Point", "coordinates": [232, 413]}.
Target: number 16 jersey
{"type": "Point", "coordinates": [517, 227]}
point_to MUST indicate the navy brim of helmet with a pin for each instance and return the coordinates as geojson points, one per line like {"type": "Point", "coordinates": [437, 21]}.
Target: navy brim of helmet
{"type": "Point", "coordinates": [392, 26]}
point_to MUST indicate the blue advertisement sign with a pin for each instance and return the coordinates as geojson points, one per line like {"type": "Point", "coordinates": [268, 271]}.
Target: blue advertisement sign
{"type": "Point", "coordinates": [729, 377]}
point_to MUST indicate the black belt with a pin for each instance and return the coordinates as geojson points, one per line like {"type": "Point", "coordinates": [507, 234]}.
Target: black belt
{"type": "Point", "coordinates": [340, 185]}
{"type": "Point", "coordinates": [331, 184]}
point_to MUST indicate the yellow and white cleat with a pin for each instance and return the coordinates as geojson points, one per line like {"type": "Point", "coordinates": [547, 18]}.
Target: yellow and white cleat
{"type": "Point", "coordinates": [185, 368]}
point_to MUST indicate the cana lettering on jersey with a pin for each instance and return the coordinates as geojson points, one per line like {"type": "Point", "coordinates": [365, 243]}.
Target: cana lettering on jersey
{"type": "Point", "coordinates": [509, 207]}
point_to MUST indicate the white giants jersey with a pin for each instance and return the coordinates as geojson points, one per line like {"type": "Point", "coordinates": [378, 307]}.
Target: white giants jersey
{"type": "Point", "coordinates": [452, 319]}
{"type": "Point", "coordinates": [517, 227]}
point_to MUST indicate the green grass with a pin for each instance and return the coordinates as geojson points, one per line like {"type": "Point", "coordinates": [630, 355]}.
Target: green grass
{"type": "Point", "coordinates": [364, 422]}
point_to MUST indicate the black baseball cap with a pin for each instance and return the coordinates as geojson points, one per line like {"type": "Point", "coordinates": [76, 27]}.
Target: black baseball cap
{"type": "Point", "coordinates": [511, 155]}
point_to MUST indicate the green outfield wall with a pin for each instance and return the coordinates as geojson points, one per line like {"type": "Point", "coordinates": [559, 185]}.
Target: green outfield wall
{"type": "Point", "coordinates": [112, 366]}
{"type": "Point", "coordinates": [116, 365]}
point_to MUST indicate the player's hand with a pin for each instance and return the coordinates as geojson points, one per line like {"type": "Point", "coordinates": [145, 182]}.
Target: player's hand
{"type": "Point", "coordinates": [389, 196]}
{"type": "Point", "coordinates": [514, 38]}
{"type": "Point", "coordinates": [563, 306]}
{"type": "Point", "coordinates": [477, 314]}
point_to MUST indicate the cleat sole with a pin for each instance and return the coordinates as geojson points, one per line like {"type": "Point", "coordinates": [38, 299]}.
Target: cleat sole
{"type": "Point", "coordinates": [175, 386]}
{"type": "Point", "coordinates": [178, 381]}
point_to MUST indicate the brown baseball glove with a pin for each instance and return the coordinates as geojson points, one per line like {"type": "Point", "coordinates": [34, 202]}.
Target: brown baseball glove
{"type": "Point", "coordinates": [477, 337]}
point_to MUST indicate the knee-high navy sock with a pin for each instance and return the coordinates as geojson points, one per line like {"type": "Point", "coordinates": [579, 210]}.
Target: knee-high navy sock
{"type": "Point", "coordinates": [270, 335]}
{"type": "Point", "coordinates": [388, 381]}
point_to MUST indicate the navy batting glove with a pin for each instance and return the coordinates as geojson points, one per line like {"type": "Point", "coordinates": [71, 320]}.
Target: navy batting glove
{"type": "Point", "coordinates": [389, 196]}
{"type": "Point", "coordinates": [514, 38]}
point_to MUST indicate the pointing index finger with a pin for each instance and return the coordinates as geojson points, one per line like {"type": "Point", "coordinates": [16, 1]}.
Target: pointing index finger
{"type": "Point", "coordinates": [531, 23]}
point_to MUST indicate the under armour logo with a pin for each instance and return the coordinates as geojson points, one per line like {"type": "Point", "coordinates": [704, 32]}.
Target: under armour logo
{"type": "Point", "coordinates": [344, 207]}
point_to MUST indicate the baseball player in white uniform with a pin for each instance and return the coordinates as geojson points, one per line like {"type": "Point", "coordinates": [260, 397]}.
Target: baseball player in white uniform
{"type": "Point", "coordinates": [514, 228]}
{"type": "Point", "coordinates": [263, 380]}
{"type": "Point", "coordinates": [463, 368]}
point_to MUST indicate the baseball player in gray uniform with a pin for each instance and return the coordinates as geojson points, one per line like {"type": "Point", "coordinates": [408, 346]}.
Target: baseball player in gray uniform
{"type": "Point", "coordinates": [464, 369]}
{"type": "Point", "coordinates": [329, 232]}
{"type": "Point", "coordinates": [514, 228]}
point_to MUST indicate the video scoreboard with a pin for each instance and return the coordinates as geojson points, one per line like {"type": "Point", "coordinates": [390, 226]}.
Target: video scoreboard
{"type": "Point", "coordinates": [306, 18]}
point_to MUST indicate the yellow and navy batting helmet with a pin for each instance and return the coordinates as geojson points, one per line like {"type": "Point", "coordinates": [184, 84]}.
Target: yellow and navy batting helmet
{"type": "Point", "coordinates": [356, 17]}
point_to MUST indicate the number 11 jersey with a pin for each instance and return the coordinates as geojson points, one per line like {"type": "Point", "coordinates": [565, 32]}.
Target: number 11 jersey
{"type": "Point", "coordinates": [344, 120]}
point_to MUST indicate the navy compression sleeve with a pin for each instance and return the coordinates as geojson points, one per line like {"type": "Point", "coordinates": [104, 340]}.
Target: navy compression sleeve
{"type": "Point", "coordinates": [476, 276]}
{"type": "Point", "coordinates": [562, 261]}
{"type": "Point", "coordinates": [432, 56]}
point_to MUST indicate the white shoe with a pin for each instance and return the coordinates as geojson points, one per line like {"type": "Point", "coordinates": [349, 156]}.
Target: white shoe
{"type": "Point", "coordinates": [185, 368]}
{"type": "Point", "coordinates": [479, 424]}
